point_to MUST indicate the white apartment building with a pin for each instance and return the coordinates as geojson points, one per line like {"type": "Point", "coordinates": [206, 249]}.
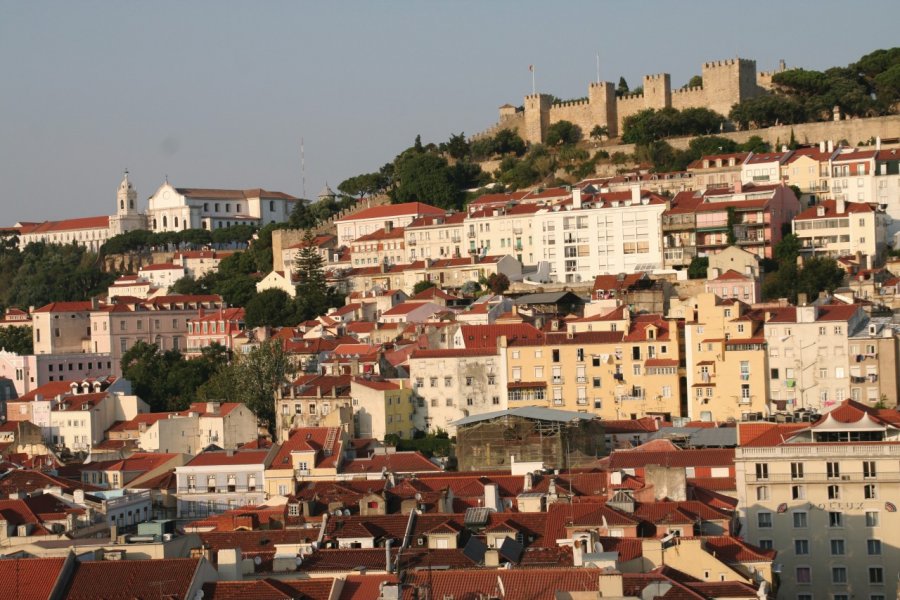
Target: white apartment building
{"type": "Point", "coordinates": [453, 384]}
{"type": "Point", "coordinates": [763, 168]}
{"type": "Point", "coordinates": [503, 230]}
{"type": "Point", "coordinates": [810, 354]}
{"type": "Point", "coordinates": [163, 276]}
{"type": "Point", "coordinates": [371, 219]}
{"type": "Point", "coordinates": [838, 228]}
{"type": "Point", "coordinates": [177, 209]}
{"type": "Point", "coordinates": [604, 233]}
{"type": "Point", "coordinates": [226, 425]}
{"type": "Point", "coordinates": [435, 237]}
{"type": "Point", "coordinates": [824, 496]}
{"type": "Point", "coordinates": [219, 480]}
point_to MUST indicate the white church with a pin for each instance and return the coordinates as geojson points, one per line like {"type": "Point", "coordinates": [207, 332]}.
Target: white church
{"type": "Point", "coordinates": [169, 209]}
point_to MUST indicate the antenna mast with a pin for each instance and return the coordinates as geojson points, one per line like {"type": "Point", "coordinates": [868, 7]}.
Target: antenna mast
{"type": "Point", "coordinates": [302, 170]}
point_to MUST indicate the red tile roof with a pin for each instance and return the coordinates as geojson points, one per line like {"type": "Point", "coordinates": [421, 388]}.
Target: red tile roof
{"type": "Point", "coordinates": [394, 210]}
{"type": "Point", "coordinates": [213, 193]}
{"type": "Point", "coordinates": [381, 234]}
{"type": "Point", "coordinates": [30, 578]}
{"type": "Point", "coordinates": [364, 587]}
{"type": "Point", "coordinates": [269, 589]}
{"type": "Point", "coordinates": [67, 225]}
{"type": "Point", "coordinates": [486, 336]}
{"type": "Point", "coordinates": [830, 211]}
{"type": "Point", "coordinates": [130, 579]}
{"type": "Point", "coordinates": [518, 584]}
{"type": "Point", "coordinates": [228, 457]}
{"type": "Point", "coordinates": [394, 462]}
{"type": "Point", "coordinates": [65, 307]}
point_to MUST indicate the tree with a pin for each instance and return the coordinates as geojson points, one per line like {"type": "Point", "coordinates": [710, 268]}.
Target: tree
{"type": "Point", "coordinates": [498, 282]}
{"type": "Point", "coordinates": [622, 88]}
{"type": "Point", "coordinates": [508, 141]}
{"type": "Point", "coordinates": [17, 340]}
{"type": "Point", "coordinates": [313, 295]}
{"type": "Point", "coordinates": [698, 267]}
{"type": "Point", "coordinates": [253, 379]}
{"type": "Point", "coordinates": [695, 81]}
{"type": "Point", "coordinates": [599, 132]}
{"type": "Point", "coordinates": [423, 285]}
{"type": "Point", "coordinates": [819, 273]}
{"type": "Point", "coordinates": [425, 177]}
{"type": "Point", "coordinates": [272, 308]}
{"type": "Point", "coordinates": [457, 146]}
{"type": "Point", "coordinates": [563, 133]}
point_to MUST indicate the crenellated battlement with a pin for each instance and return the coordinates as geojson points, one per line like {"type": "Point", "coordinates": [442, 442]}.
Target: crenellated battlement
{"type": "Point", "coordinates": [725, 83]}
{"type": "Point", "coordinates": [730, 62]}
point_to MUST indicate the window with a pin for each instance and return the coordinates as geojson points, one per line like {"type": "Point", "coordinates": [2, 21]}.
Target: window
{"type": "Point", "coordinates": [871, 518]}
{"type": "Point", "coordinates": [838, 574]}
{"type": "Point", "coordinates": [556, 355]}
{"type": "Point", "coordinates": [762, 470]}
{"type": "Point", "coordinates": [873, 547]}
{"type": "Point", "coordinates": [835, 519]}
{"type": "Point", "coordinates": [870, 492]}
{"type": "Point", "coordinates": [762, 492]}
{"type": "Point", "coordinates": [801, 547]}
{"type": "Point", "coordinates": [804, 575]}
{"type": "Point", "coordinates": [470, 379]}
{"type": "Point", "coordinates": [433, 381]}
{"type": "Point", "coordinates": [833, 469]}
{"type": "Point", "coordinates": [798, 492]}
{"type": "Point", "coordinates": [869, 469]}
{"type": "Point", "coordinates": [796, 470]}
{"type": "Point", "coordinates": [773, 373]}
{"type": "Point", "coordinates": [876, 575]}
{"type": "Point", "coordinates": [800, 520]}
{"type": "Point", "coordinates": [764, 520]}
{"type": "Point", "coordinates": [837, 547]}
{"type": "Point", "coordinates": [766, 544]}
{"type": "Point", "coordinates": [448, 382]}
{"type": "Point", "coordinates": [834, 492]}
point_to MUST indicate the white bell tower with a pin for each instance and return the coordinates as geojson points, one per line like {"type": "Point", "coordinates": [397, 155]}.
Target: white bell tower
{"type": "Point", "coordinates": [126, 198]}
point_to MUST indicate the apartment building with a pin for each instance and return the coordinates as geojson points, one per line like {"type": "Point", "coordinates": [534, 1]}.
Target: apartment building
{"type": "Point", "coordinates": [371, 219]}
{"type": "Point", "coordinates": [823, 496]}
{"type": "Point", "coordinates": [435, 237]}
{"type": "Point", "coordinates": [453, 384]}
{"type": "Point", "coordinates": [227, 425]}
{"type": "Point", "coordinates": [810, 355]}
{"type": "Point", "coordinates": [726, 360]}
{"type": "Point", "coordinates": [386, 245]}
{"type": "Point", "coordinates": [62, 327]}
{"type": "Point", "coordinates": [313, 401]}
{"type": "Point", "coordinates": [763, 168]}
{"type": "Point", "coordinates": [163, 321]}
{"type": "Point", "coordinates": [613, 373]}
{"type": "Point", "coordinates": [505, 229]}
{"type": "Point", "coordinates": [808, 169]}
{"type": "Point", "coordinates": [382, 407]}
{"type": "Point", "coordinates": [616, 232]}
{"type": "Point", "coordinates": [717, 171]}
{"type": "Point", "coordinates": [838, 228]}
{"type": "Point", "coordinates": [221, 326]}
{"type": "Point", "coordinates": [163, 275]}
{"type": "Point", "coordinates": [445, 272]}
{"type": "Point", "coordinates": [215, 481]}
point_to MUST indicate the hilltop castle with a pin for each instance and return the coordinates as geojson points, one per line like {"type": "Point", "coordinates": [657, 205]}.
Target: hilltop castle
{"type": "Point", "coordinates": [725, 83]}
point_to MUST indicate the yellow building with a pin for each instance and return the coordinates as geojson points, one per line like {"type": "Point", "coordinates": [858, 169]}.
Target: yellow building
{"type": "Point", "coordinates": [309, 453]}
{"type": "Point", "coordinates": [382, 407]}
{"type": "Point", "coordinates": [616, 374]}
{"type": "Point", "coordinates": [726, 360]}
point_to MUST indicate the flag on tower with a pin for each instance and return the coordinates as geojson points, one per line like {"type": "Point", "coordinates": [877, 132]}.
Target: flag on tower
{"type": "Point", "coordinates": [531, 68]}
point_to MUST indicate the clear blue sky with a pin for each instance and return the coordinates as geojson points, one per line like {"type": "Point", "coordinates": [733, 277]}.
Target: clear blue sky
{"type": "Point", "coordinates": [219, 94]}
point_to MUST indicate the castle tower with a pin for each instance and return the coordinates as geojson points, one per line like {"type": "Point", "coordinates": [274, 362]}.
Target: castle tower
{"type": "Point", "coordinates": [537, 117]}
{"type": "Point", "coordinates": [602, 98]}
{"type": "Point", "coordinates": [729, 82]}
{"type": "Point", "coordinates": [126, 198]}
{"type": "Point", "coordinates": [658, 91]}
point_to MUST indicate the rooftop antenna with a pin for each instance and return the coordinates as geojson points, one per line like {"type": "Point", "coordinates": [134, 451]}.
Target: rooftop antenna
{"type": "Point", "coordinates": [302, 170]}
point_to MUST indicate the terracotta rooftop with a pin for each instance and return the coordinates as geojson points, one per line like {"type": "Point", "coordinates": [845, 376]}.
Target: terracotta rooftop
{"type": "Point", "coordinates": [130, 579]}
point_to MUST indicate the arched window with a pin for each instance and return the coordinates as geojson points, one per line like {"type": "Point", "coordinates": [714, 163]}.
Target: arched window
{"type": "Point", "coordinates": [154, 223]}
{"type": "Point", "coordinates": [176, 222]}
{"type": "Point", "coordinates": [122, 204]}
{"type": "Point", "coordinates": [165, 221]}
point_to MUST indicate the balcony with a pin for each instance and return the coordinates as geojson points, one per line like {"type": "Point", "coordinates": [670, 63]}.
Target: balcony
{"type": "Point", "coordinates": [823, 478]}
{"type": "Point", "coordinates": [629, 398]}
{"type": "Point", "coordinates": [558, 380]}
{"type": "Point", "coordinates": [455, 239]}
{"type": "Point", "coordinates": [517, 231]}
{"type": "Point", "coordinates": [411, 242]}
{"type": "Point", "coordinates": [470, 235]}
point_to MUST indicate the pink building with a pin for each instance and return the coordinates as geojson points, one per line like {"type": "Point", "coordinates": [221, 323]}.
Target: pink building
{"type": "Point", "coordinates": [220, 326]}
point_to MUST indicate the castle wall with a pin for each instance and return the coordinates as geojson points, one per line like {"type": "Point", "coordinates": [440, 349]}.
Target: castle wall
{"type": "Point", "coordinates": [578, 112]}
{"type": "Point", "coordinates": [688, 98]}
{"type": "Point", "coordinates": [628, 105]}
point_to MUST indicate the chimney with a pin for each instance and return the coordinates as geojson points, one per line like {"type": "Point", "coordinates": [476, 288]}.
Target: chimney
{"type": "Point", "coordinates": [801, 299]}
{"type": "Point", "coordinates": [738, 186]}
{"type": "Point", "coordinates": [636, 195]}
{"type": "Point", "coordinates": [576, 198]}
{"type": "Point", "coordinates": [388, 226]}
{"type": "Point", "coordinates": [830, 146]}
{"type": "Point", "coordinates": [840, 206]}
{"type": "Point", "coordinates": [529, 482]}
{"type": "Point", "coordinates": [820, 211]}
{"type": "Point", "coordinates": [492, 558]}
{"type": "Point", "coordinates": [878, 143]}
{"type": "Point", "coordinates": [491, 496]}
{"type": "Point", "coordinates": [822, 146]}
{"type": "Point", "coordinates": [869, 261]}
{"type": "Point", "coordinates": [610, 585]}
{"type": "Point", "coordinates": [387, 555]}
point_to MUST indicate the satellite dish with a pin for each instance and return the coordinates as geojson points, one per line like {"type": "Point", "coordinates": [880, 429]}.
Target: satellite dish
{"type": "Point", "coordinates": [298, 561]}
{"type": "Point", "coordinates": [418, 497]}
{"type": "Point", "coordinates": [598, 547]}
{"type": "Point", "coordinates": [346, 512]}
{"type": "Point", "coordinates": [257, 561]}
{"type": "Point", "coordinates": [337, 512]}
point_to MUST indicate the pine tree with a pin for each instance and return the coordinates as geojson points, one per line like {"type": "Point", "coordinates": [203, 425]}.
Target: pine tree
{"type": "Point", "coordinates": [313, 295]}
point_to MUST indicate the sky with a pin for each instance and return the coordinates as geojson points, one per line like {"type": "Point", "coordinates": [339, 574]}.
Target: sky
{"type": "Point", "coordinates": [220, 94]}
